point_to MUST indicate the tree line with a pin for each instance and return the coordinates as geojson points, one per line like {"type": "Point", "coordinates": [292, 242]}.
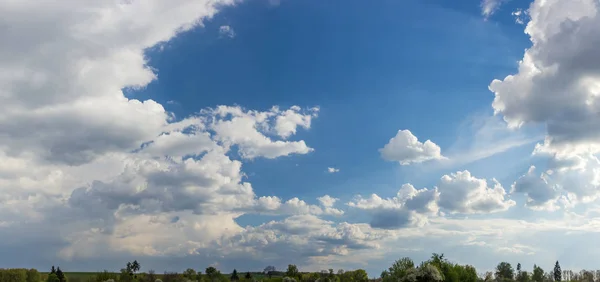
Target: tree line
{"type": "Point", "coordinates": [436, 269]}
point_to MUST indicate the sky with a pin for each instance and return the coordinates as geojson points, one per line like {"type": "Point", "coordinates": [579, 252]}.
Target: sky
{"type": "Point", "coordinates": [326, 134]}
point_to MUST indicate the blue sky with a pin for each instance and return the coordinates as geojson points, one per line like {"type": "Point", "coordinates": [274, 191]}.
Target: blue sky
{"type": "Point", "coordinates": [244, 134]}
{"type": "Point", "coordinates": [385, 60]}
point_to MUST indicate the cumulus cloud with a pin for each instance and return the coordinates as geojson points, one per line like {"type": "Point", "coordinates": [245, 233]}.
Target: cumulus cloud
{"type": "Point", "coordinates": [557, 85]}
{"type": "Point", "coordinates": [333, 170]}
{"type": "Point", "coordinates": [248, 131]}
{"type": "Point", "coordinates": [226, 31]}
{"type": "Point", "coordinates": [409, 207]}
{"type": "Point", "coordinates": [406, 149]}
{"type": "Point", "coordinates": [119, 175]}
{"type": "Point", "coordinates": [461, 192]}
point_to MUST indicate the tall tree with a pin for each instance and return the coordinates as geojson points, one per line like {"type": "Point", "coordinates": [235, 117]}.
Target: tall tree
{"type": "Point", "coordinates": [504, 271]}
{"type": "Point", "coordinates": [538, 274]}
{"type": "Point", "coordinates": [557, 272]}
{"type": "Point", "coordinates": [292, 271]}
{"type": "Point", "coordinates": [60, 275]}
{"type": "Point", "coordinates": [234, 275]}
{"type": "Point", "coordinates": [53, 270]}
{"type": "Point", "coordinates": [213, 274]}
{"type": "Point", "coordinates": [135, 266]}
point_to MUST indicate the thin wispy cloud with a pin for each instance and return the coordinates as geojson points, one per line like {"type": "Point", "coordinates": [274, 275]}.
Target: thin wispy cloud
{"type": "Point", "coordinates": [226, 31]}
{"type": "Point", "coordinates": [489, 7]}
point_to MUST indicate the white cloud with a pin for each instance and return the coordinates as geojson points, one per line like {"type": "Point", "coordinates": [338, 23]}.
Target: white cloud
{"type": "Point", "coordinates": [118, 175]}
{"type": "Point", "coordinates": [333, 170]}
{"type": "Point", "coordinates": [96, 175]}
{"type": "Point", "coordinates": [489, 7]}
{"type": "Point", "coordinates": [409, 207]}
{"type": "Point", "coordinates": [406, 149]}
{"type": "Point", "coordinates": [557, 85]}
{"type": "Point", "coordinates": [247, 129]}
{"type": "Point", "coordinates": [226, 31]}
{"type": "Point", "coordinates": [520, 16]}
{"type": "Point", "coordinates": [461, 192]}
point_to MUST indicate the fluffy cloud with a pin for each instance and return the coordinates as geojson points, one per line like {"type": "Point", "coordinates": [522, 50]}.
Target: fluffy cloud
{"type": "Point", "coordinates": [99, 174]}
{"type": "Point", "coordinates": [461, 192]}
{"type": "Point", "coordinates": [541, 195]}
{"type": "Point", "coordinates": [246, 130]}
{"type": "Point", "coordinates": [557, 85]}
{"type": "Point", "coordinates": [409, 207]}
{"type": "Point", "coordinates": [405, 148]}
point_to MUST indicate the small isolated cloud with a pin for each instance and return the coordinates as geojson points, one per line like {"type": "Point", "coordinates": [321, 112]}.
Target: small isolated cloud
{"type": "Point", "coordinates": [489, 7]}
{"type": "Point", "coordinates": [520, 16]}
{"type": "Point", "coordinates": [405, 148]}
{"type": "Point", "coordinates": [333, 170]}
{"type": "Point", "coordinates": [226, 31]}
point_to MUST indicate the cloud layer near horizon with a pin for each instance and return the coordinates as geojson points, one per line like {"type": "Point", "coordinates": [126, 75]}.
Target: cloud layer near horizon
{"type": "Point", "coordinates": [88, 173]}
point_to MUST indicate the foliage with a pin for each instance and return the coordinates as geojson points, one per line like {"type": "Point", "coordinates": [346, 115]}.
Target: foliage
{"type": "Point", "coordinates": [292, 271]}
{"type": "Point", "coordinates": [52, 278]}
{"type": "Point", "coordinates": [538, 274]}
{"type": "Point", "coordinates": [234, 276]}
{"type": "Point", "coordinates": [504, 272]}
{"type": "Point", "coordinates": [425, 273]}
{"type": "Point", "coordinates": [557, 272]}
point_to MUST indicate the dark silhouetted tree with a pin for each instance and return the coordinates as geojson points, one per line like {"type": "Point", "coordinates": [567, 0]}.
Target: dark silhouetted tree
{"type": "Point", "coordinates": [60, 275]}
{"type": "Point", "coordinates": [234, 275]}
{"type": "Point", "coordinates": [248, 276]}
{"type": "Point", "coordinates": [557, 272]}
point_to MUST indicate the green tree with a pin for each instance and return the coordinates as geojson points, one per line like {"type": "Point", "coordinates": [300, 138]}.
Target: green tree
{"type": "Point", "coordinates": [557, 272]}
{"type": "Point", "coordinates": [213, 274]}
{"type": "Point", "coordinates": [52, 277]}
{"type": "Point", "coordinates": [33, 275]}
{"type": "Point", "coordinates": [504, 272]}
{"type": "Point", "coordinates": [538, 274]}
{"type": "Point", "coordinates": [234, 276]}
{"type": "Point", "coordinates": [292, 271]}
{"type": "Point", "coordinates": [398, 270]}
{"type": "Point", "coordinates": [425, 273]}
{"type": "Point", "coordinates": [190, 274]}
{"type": "Point", "coordinates": [360, 275]}
{"type": "Point", "coordinates": [61, 276]}
{"type": "Point", "coordinates": [248, 276]}
{"type": "Point", "coordinates": [135, 267]}
{"type": "Point", "coordinates": [523, 276]}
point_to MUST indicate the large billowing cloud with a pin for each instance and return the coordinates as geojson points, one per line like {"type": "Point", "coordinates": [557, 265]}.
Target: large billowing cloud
{"type": "Point", "coordinates": [405, 148]}
{"type": "Point", "coordinates": [96, 173]}
{"type": "Point", "coordinates": [558, 85]}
